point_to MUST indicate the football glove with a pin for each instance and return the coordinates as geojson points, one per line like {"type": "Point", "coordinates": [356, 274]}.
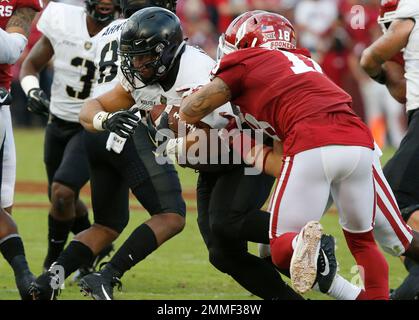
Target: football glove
{"type": "Point", "coordinates": [157, 133]}
{"type": "Point", "coordinates": [5, 98]}
{"type": "Point", "coordinates": [123, 123]}
{"type": "Point", "coordinates": [38, 102]}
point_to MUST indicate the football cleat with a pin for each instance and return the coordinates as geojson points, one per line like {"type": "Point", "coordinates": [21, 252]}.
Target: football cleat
{"type": "Point", "coordinates": [303, 268]}
{"type": "Point", "coordinates": [326, 263]}
{"type": "Point", "coordinates": [99, 285]}
{"type": "Point", "coordinates": [23, 284]}
{"type": "Point", "coordinates": [43, 287]}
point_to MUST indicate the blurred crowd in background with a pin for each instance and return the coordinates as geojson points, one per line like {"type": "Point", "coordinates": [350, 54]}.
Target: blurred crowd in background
{"type": "Point", "coordinates": [335, 31]}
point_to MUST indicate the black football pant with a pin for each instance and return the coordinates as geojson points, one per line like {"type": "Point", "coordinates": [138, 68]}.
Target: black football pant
{"type": "Point", "coordinates": [228, 205]}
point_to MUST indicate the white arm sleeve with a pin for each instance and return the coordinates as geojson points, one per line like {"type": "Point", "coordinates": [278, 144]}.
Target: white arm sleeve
{"type": "Point", "coordinates": [12, 46]}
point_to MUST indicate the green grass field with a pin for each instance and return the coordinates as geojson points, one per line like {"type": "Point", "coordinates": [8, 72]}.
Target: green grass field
{"type": "Point", "coordinates": [178, 270]}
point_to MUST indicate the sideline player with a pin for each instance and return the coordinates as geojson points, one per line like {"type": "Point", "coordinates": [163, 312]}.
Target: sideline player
{"type": "Point", "coordinates": [15, 23]}
{"type": "Point", "coordinates": [69, 38]}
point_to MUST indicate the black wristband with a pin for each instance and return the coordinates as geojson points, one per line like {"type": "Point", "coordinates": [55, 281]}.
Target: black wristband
{"type": "Point", "coordinates": [381, 77]}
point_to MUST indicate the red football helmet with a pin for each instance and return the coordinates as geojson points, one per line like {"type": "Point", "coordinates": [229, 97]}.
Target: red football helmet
{"type": "Point", "coordinates": [227, 41]}
{"type": "Point", "coordinates": [387, 12]}
{"type": "Point", "coordinates": [267, 30]}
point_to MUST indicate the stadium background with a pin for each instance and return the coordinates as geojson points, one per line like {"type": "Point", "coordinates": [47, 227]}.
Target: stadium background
{"type": "Point", "coordinates": [180, 269]}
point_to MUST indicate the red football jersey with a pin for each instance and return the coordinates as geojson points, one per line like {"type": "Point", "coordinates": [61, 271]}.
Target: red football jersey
{"type": "Point", "coordinates": [286, 94]}
{"type": "Point", "coordinates": [7, 8]}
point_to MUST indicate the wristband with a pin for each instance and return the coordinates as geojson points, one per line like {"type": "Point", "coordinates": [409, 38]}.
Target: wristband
{"type": "Point", "coordinates": [98, 120]}
{"type": "Point", "coordinates": [29, 82]}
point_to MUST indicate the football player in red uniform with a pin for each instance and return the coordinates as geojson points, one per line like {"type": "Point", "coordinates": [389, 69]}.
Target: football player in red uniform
{"type": "Point", "coordinates": [15, 21]}
{"type": "Point", "coordinates": [326, 147]}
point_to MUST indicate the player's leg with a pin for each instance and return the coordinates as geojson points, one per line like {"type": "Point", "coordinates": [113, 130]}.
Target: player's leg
{"type": "Point", "coordinates": [390, 231]}
{"type": "Point", "coordinates": [402, 175]}
{"type": "Point", "coordinates": [233, 210]}
{"type": "Point", "coordinates": [237, 201]}
{"type": "Point", "coordinates": [70, 177]}
{"type": "Point", "coordinates": [58, 229]}
{"type": "Point", "coordinates": [158, 189]}
{"type": "Point", "coordinates": [301, 176]}
{"type": "Point", "coordinates": [110, 207]}
{"type": "Point", "coordinates": [11, 245]}
{"type": "Point", "coordinates": [353, 191]}
{"type": "Point", "coordinates": [8, 179]}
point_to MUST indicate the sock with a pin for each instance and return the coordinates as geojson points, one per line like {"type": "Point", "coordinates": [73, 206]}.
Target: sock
{"type": "Point", "coordinates": [342, 289]}
{"type": "Point", "coordinates": [282, 249]}
{"type": "Point", "coordinates": [76, 255]}
{"type": "Point", "coordinates": [139, 245]}
{"type": "Point", "coordinates": [409, 289]}
{"type": "Point", "coordinates": [255, 227]}
{"type": "Point", "coordinates": [80, 224]}
{"type": "Point", "coordinates": [57, 237]}
{"type": "Point", "coordinates": [375, 267]}
{"type": "Point", "coordinates": [13, 251]}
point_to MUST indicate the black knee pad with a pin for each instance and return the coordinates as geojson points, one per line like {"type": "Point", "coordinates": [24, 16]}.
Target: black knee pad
{"type": "Point", "coordinates": [408, 211]}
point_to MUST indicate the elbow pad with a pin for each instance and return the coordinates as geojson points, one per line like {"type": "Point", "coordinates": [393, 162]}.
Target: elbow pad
{"type": "Point", "coordinates": [12, 46]}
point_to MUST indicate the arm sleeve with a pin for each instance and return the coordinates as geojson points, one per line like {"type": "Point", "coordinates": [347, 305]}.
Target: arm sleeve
{"type": "Point", "coordinates": [12, 46]}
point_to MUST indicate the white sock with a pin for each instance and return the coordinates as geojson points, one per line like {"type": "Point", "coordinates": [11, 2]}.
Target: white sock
{"type": "Point", "coordinates": [342, 289]}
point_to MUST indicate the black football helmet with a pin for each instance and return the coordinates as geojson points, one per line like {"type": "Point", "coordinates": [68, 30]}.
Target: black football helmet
{"type": "Point", "coordinates": [129, 7]}
{"type": "Point", "coordinates": [151, 40]}
{"type": "Point", "coordinates": [99, 17]}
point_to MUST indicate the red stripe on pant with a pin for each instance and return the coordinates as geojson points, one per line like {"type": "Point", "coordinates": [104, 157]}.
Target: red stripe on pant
{"type": "Point", "coordinates": [387, 214]}
{"type": "Point", "coordinates": [281, 247]}
{"type": "Point", "coordinates": [276, 202]}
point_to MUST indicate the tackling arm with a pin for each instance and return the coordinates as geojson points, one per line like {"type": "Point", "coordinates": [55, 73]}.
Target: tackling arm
{"type": "Point", "coordinates": [14, 39]}
{"type": "Point", "coordinates": [385, 47]}
{"type": "Point", "coordinates": [205, 100]}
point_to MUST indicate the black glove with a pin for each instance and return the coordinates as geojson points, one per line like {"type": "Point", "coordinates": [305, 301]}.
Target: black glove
{"type": "Point", "coordinates": [38, 102]}
{"type": "Point", "coordinates": [155, 132]}
{"type": "Point", "coordinates": [123, 123]}
{"type": "Point", "coordinates": [5, 97]}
